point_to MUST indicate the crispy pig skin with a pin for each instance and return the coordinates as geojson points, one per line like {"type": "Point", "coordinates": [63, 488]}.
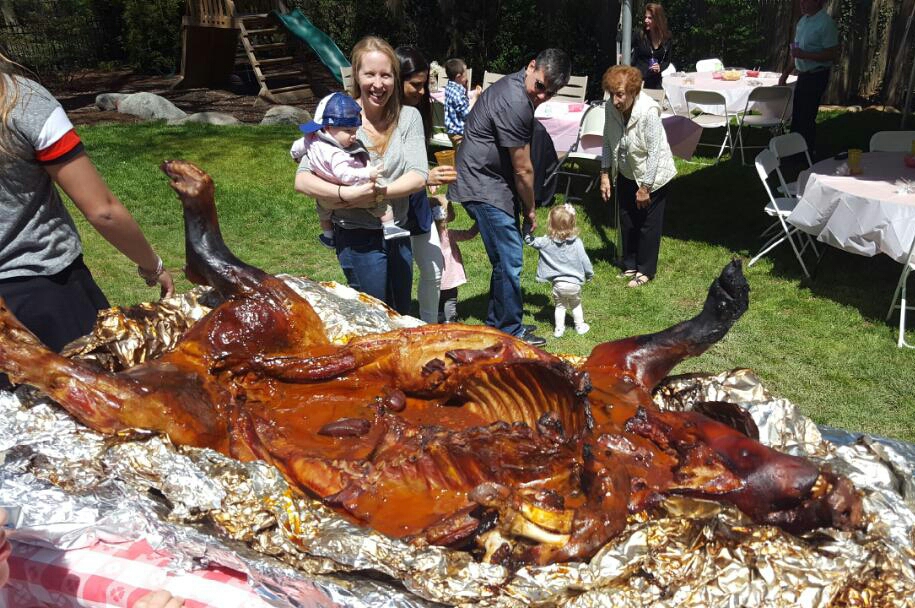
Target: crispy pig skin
{"type": "Point", "coordinates": [439, 433]}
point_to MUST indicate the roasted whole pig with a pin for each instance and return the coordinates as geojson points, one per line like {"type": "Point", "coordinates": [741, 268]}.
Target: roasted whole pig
{"type": "Point", "coordinates": [453, 435]}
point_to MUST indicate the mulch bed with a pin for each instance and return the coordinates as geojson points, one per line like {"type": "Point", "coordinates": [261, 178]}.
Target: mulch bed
{"type": "Point", "coordinates": [78, 91]}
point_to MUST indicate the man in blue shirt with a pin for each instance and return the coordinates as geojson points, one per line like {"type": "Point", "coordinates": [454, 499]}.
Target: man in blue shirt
{"type": "Point", "coordinates": [494, 170]}
{"type": "Point", "coordinates": [815, 48]}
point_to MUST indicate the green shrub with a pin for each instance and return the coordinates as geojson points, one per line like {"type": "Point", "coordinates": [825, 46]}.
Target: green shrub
{"type": "Point", "coordinates": [152, 34]}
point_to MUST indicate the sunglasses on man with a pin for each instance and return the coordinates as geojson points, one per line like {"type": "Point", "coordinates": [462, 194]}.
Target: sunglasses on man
{"type": "Point", "coordinates": [541, 88]}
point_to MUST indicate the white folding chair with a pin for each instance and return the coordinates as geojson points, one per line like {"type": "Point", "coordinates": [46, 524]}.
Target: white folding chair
{"type": "Point", "coordinates": [469, 73]}
{"type": "Point", "coordinates": [709, 65]}
{"type": "Point", "coordinates": [346, 74]}
{"type": "Point", "coordinates": [439, 137]}
{"type": "Point", "coordinates": [899, 299]}
{"type": "Point", "coordinates": [659, 96]}
{"type": "Point", "coordinates": [776, 100]}
{"type": "Point", "coordinates": [489, 78]}
{"type": "Point", "coordinates": [787, 145]}
{"type": "Point", "coordinates": [780, 208]}
{"type": "Point", "coordinates": [590, 136]}
{"type": "Point", "coordinates": [574, 91]}
{"type": "Point", "coordinates": [892, 141]}
{"type": "Point", "coordinates": [716, 119]}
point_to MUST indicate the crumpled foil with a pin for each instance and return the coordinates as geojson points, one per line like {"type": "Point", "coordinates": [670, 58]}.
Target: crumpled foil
{"type": "Point", "coordinates": [76, 486]}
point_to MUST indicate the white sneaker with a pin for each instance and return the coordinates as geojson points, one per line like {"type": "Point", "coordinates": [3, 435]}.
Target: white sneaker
{"type": "Point", "coordinates": [557, 333]}
{"type": "Point", "coordinates": [582, 328]}
{"type": "Point", "coordinates": [394, 231]}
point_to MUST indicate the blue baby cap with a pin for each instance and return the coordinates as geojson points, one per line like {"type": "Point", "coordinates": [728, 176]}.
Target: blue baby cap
{"type": "Point", "coordinates": [335, 110]}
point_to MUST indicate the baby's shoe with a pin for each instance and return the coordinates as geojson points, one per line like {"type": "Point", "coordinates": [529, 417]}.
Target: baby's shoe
{"type": "Point", "coordinates": [557, 333]}
{"type": "Point", "coordinates": [582, 328]}
{"type": "Point", "coordinates": [327, 241]}
{"type": "Point", "coordinates": [393, 231]}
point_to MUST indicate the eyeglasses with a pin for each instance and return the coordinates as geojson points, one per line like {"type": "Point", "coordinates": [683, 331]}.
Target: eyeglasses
{"type": "Point", "coordinates": [541, 88]}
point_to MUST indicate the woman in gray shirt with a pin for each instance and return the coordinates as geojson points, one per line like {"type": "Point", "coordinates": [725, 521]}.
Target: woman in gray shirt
{"type": "Point", "coordinates": [393, 134]}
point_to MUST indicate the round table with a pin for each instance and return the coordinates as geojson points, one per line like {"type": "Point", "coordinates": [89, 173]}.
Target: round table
{"type": "Point", "coordinates": [562, 119]}
{"type": "Point", "coordinates": [866, 214]}
{"type": "Point", "coordinates": [735, 92]}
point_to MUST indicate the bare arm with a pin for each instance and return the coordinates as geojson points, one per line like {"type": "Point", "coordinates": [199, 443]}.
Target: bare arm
{"type": "Point", "coordinates": [79, 179]}
{"type": "Point", "coordinates": [333, 196]}
{"type": "Point", "coordinates": [405, 185]}
{"type": "Point", "coordinates": [524, 181]}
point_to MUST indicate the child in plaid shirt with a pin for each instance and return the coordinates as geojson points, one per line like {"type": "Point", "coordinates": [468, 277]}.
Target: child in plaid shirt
{"type": "Point", "coordinates": [457, 101]}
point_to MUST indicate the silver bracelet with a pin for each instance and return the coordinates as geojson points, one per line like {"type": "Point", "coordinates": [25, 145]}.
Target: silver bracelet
{"type": "Point", "coordinates": [151, 278]}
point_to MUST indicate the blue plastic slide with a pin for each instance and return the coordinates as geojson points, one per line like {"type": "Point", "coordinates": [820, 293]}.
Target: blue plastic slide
{"type": "Point", "coordinates": [324, 47]}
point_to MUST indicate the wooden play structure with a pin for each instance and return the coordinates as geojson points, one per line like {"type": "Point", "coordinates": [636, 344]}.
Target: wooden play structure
{"type": "Point", "coordinates": [220, 36]}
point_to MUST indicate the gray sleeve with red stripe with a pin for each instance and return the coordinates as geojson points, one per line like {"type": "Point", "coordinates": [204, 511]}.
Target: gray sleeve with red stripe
{"type": "Point", "coordinates": [41, 122]}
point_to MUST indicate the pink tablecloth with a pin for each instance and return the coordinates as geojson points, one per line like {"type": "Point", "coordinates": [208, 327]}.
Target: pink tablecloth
{"type": "Point", "coordinates": [864, 214]}
{"type": "Point", "coordinates": [562, 121]}
{"type": "Point", "coordinates": [117, 575]}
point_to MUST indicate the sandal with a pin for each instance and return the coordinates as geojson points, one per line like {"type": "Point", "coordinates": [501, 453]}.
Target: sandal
{"type": "Point", "coordinates": [639, 280]}
{"type": "Point", "coordinates": [627, 274]}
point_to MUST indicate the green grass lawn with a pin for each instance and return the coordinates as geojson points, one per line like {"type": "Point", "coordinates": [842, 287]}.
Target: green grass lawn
{"type": "Point", "coordinates": [822, 344]}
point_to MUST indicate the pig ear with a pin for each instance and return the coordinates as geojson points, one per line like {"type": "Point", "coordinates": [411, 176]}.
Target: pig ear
{"type": "Point", "coordinates": [730, 414]}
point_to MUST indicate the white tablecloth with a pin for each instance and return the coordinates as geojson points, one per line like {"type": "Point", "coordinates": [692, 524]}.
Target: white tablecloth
{"type": "Point", "coordinates": [864, 214]}
{"type": "Point", "coordinates": [735, 92]}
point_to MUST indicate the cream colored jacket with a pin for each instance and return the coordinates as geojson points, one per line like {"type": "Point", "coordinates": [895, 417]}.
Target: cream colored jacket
{"type": "Point", "coordinates": [647, 160]}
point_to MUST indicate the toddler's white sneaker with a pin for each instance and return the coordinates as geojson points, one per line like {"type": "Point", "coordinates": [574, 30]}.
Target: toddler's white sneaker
{"type": "Point", "coordinates": [582, 328]}
{"type": "Point", "coordinates": [557, 333]}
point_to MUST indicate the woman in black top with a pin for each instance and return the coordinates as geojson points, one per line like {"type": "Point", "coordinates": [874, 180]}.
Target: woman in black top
{"type": "Point", "coordinates": [652, 50]}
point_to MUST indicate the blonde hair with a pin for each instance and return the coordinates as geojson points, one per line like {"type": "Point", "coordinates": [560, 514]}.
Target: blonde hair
{"type": "Point", "coordinates": [391, 113]}
{"type": "Point", "coordinates": [9, 97]}
{"type": "Point", "coordinates": [561, 224]}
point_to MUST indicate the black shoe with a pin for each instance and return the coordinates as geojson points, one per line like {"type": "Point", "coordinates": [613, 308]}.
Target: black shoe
{"type": "Point", "coordinates": [531, 339]}
{"type": "Point", "coordinates": [528, 328]}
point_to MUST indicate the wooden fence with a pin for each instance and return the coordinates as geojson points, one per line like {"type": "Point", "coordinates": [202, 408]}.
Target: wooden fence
{"type": "Point", "coordinates": [875, 60]}
{"type": "Point", "coordinates": [49, 38]}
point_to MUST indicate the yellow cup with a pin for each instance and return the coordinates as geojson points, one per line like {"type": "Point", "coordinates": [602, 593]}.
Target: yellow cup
{"type": "Point", "coordinates": [854, 161]}
{"type": "Point", "coordinates": [912, 151]}
{"type": "Point", "coordinates": [445, 157]}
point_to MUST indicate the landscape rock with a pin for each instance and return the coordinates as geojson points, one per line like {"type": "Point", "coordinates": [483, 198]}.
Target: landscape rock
{"type": "Point", "coordinates": [209, 118]}
{"type": "Point", "coordinates": [109, 101]}
{"type": "Point", "coordinates": [286, 115]}
{"type": "Point", "coordinates": [149, 106]}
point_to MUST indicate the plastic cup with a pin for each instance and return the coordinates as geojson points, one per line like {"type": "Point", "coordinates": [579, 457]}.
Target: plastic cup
{"type": "Point", "coordinates": [912, 151]}
{"type": "Point", "coordinates": [854, 161]}
{"type": "Point", "coordinates": [445, 157]}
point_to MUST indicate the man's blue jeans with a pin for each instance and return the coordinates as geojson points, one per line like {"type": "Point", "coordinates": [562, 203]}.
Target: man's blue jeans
{"type": "Point", "coordinates": [380, 268]}
{"type": "Point", "coordinates": [502, 240]}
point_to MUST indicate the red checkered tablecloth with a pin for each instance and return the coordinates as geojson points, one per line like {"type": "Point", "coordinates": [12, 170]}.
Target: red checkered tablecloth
{"type": "Point", "coordinates": [117, 575]}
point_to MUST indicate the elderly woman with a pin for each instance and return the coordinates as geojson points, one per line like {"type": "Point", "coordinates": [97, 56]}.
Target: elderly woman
{"type": "Point", "coordinates": [393, 134]}
{"type": "Point", "coordinates": [637, 157]}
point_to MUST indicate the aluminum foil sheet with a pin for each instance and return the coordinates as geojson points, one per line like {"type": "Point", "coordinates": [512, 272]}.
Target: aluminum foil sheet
{"type": "Point", "coordinates": [76, 486]}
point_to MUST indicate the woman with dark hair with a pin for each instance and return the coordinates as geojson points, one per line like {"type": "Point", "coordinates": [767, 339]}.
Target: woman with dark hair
{"type": "Point", "coordinates": [393, 135]}
{"type": "Point", "coordinates": [427, 250]}
{"type": "Point", "coordinates": [652, 50]}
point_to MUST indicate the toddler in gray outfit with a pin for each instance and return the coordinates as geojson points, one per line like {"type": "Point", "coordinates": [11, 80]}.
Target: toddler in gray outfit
{"type": "Point", "coordinates": [564, 263]}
